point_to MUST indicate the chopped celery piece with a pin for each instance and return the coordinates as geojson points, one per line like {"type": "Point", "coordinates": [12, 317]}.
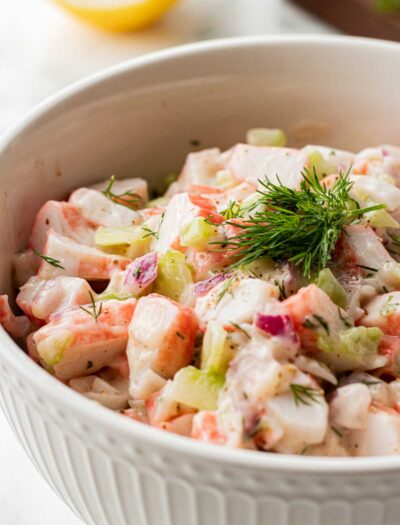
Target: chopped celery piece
{"type": "Point", "coordinates": [266, 137]}
{"type": "Point", "coordinates": [118, 249]}
{"type": "Point", "coordinates": [115, 236]}
{"type": "Point", "coordinates": [197, 234]}
{"type": "Point", "coordinates": [380, 219]}
{"type": "Point", "coordinates": [51, 350]}
{"type": "Point", "coordinates": [356, 347]}
{"type": "Point", "coordinates": [159, 202]}
{"type": "Point", "coordinates": [197, 388]}
{"type": "Point", "coordinates": [173, 276]}
{"type": "Point", "coordinates": [361, 339]}
{"type": "Point", "coordinates": [139, 247]}
{"type": "Point", "coordinates": [216, 352]}
{"type": "Point", "coordinates": [260, 267]}
{"type": "Point", "coordinates": [321, 166]}
{"type": "Point", "coordinates": [107, 296]}
{"type": "Point", "coordinates": [130, 240]}
{"type": "Point", "coordinates": [331, 286]}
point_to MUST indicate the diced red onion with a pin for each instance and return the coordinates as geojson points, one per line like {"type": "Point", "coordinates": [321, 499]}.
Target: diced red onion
{"type": "Point", "coordinates": [203, 287]}
{"type": "Point", "coordinates": [277, 325]}
{"type": "Point", "coordinates": [140, 274]}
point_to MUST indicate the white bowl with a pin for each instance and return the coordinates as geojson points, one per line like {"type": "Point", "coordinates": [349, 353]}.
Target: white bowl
{"type": "Point", "coordinates": [138, 119]}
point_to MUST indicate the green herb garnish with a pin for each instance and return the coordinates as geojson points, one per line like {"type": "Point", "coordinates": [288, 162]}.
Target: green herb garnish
{"type": "Point", "coordinates": [371, 383]}
{"type": "Point", "coordinates": [54, 262]}
{"type": "Point", "coordinates": [304, 394]}
{"type": "Point", "coordinates": [345, 320]}
{"type": "Point", "coordinates": [128, 199]}
{"type": "Point", "coordinates": [308, 324]}
{"type": "Point", "coordinates": [210, 220]}
{"type": "Point", "coordinates": [226, 287]}
{"type": "Point", "coordinates": [149, 232]}
{"type": "Point", "coordinates": [281, 288]}
{"type": "Point", "coordinates": [368, 268]}
{"type": "Point", "coordinates": [301, 226]}
{"type": "Point", "coordinates": [233, 211]}
{"type": "Point", "coordinates": [337, 432]}
{"type": "Point", "coordinates": [93, 310]}
{"type": "Point", "coordinates": [322, 322]}
{"type": "Point", "coordinates": [238, 327]}
{"type": "Point", "coordinates": [390, 306]}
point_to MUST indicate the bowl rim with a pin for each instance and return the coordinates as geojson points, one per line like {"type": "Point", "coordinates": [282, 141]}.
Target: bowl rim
{"type": "Point", "coordinates": [29, 372]}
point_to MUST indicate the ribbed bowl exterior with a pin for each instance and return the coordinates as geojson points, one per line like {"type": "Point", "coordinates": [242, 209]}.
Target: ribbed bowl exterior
{"type": "Point", "coordinates": [141, 115]}
{"type": "Point", "coordinates": [108, 481]}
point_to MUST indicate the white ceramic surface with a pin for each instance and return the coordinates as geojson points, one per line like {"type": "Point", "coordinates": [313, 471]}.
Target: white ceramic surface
{"type": "Point", "coordinates": [138, 119]}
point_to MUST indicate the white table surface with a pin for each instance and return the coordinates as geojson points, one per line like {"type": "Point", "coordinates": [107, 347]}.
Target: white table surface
{"type": "Point", "coordinates": [42, 49]}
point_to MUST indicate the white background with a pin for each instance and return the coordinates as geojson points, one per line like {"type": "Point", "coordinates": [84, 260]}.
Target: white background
{"type": "Point", "coordinates": [42, 49]}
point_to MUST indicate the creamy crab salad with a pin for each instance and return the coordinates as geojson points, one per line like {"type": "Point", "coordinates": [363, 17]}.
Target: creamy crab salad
{"type": "Point", "coordinates": [254, 304]}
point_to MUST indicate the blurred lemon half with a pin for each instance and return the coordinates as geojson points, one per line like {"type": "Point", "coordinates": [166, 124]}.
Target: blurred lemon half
{"type": "Point", "coordinates": [117, 15]}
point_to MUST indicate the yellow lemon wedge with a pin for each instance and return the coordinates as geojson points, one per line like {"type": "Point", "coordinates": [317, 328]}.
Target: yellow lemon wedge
{"type": "Point", "coordinates": [118, 15]}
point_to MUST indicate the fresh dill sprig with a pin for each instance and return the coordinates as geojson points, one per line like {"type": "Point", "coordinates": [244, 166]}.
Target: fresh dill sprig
{"type": "Point", "coordinates": [93, 310]}
{"type": "Point", "coordinates": [242, 330]}
{"type": "Point", "coordinates": [150, 232]}
{"type": "Point", "coordinates": [281, 288]}
{"type": "Point", "coordinates": [226, 287]}
{"type": "Point", "coordinates": [370, 383]}
{"type": "Point", "coordinates": [233, 211]}
{"type": "Point", "coordinates": [304, 394]}
{"type": "Point", "coordinates": [323, 322]}
{"type": "Point", "coordinates": [368, 268]}
{"type": "Point", "coordinates": [337, 432]}
{"type": "Point", "coordinates": [54, 262]}
{"type": "Point", "coordinates": [345, 320]}
{"type": "Point", "coordinates": [301, 226]}
{"type": "Point", "coordinates": [307, 323]}
{"type": "Point", "coordinates": [128, 199]}
{"type": "Point", "coordinates": [211, 221]}
{"type": "Point", "coordinates": [390, 306]}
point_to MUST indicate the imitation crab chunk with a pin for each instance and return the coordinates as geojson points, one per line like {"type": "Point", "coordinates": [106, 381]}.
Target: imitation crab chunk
{"type": "Point", "coordinates": [161, 341]}
{"type": "Point", "coordinates": [80, 341]}
{"type": "Point", "coordinates": [66, 257]}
